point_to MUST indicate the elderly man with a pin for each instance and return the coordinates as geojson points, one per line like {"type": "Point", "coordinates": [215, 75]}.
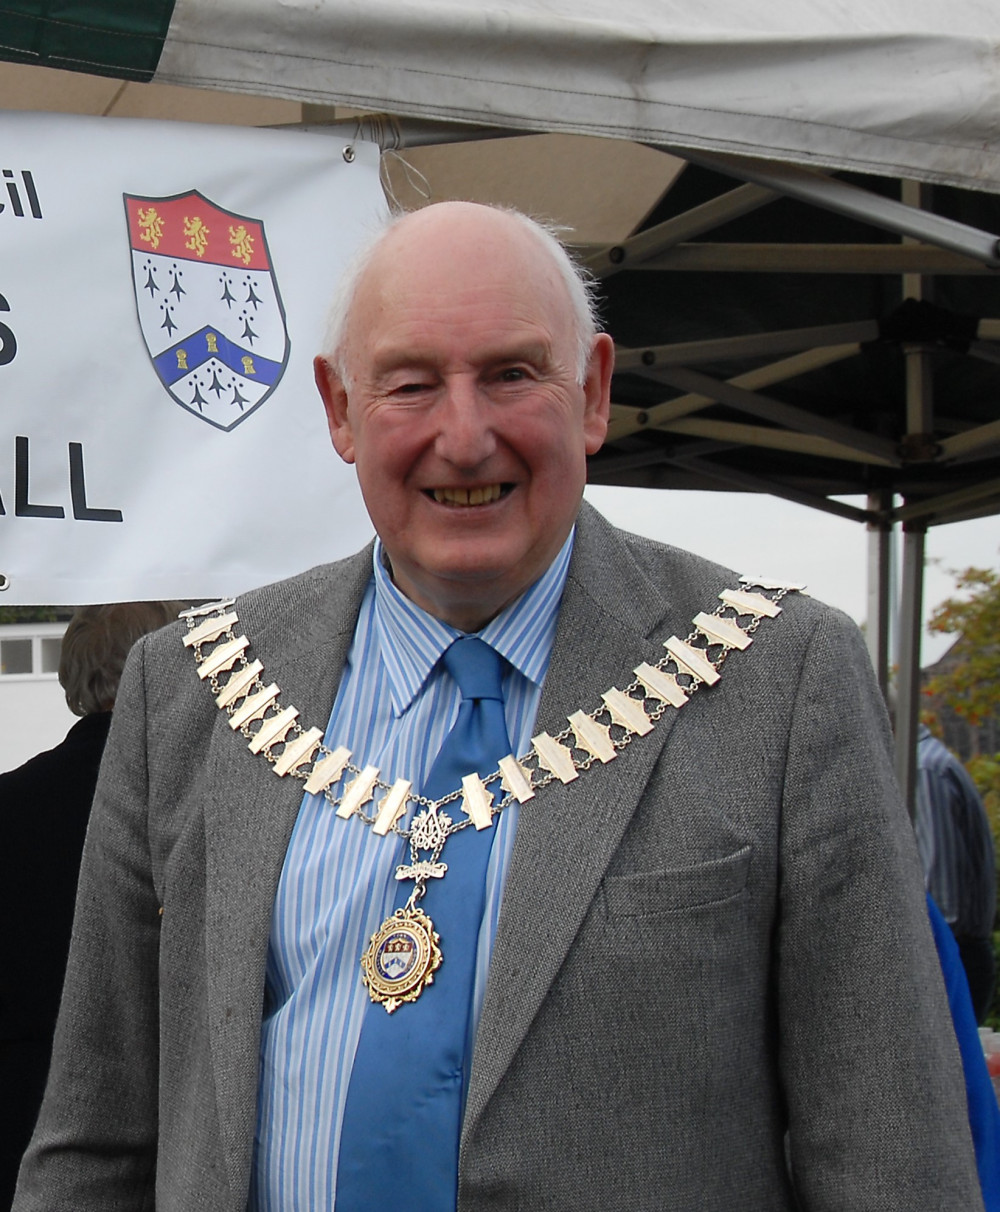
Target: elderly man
{"type": "Point", "coordinates": [643, 948]}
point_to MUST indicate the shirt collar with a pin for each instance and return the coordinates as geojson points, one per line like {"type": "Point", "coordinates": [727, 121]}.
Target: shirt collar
{"type": "Point", "coordinates": [411, 641]}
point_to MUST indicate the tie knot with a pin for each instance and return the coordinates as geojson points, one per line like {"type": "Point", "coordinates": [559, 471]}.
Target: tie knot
{"type": "Point", "coordinates": [476, 667]}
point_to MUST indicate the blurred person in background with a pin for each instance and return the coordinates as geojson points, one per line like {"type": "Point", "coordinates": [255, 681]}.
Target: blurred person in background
{"type": "Point", "coordinates": [956, 848]}
{"type": "Point", "coordinates": [44, 808]}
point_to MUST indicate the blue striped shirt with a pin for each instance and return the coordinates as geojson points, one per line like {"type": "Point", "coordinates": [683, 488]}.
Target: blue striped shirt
{"type": "Point", "coordinates": [393, 709]}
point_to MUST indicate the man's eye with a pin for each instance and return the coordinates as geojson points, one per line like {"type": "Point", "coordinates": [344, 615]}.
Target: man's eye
{"type": "Point", "coordinates": [512, 374]}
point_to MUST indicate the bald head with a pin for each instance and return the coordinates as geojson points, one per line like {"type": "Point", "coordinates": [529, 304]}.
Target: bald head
{"type": "Point", "coordinates": [467, 389]}
{"type": "Point", "coordinates": [447, 219]}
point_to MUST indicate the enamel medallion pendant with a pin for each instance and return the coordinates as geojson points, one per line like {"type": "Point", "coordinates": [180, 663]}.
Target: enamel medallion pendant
{"type": "Point", "coordinates": [401, 958]}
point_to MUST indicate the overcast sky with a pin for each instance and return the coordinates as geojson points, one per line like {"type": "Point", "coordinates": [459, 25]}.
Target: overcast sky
{"type": "Point", "coordinates": [760, 534]}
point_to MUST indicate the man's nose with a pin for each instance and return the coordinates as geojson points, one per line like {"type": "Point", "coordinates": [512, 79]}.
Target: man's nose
{"type": "Point", "coordinates": [465, 434]}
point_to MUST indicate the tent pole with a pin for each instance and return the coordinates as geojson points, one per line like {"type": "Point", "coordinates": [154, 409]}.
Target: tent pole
{"type": "Point", "coordinates": [919, 421]}
{"type": "Point", "coordinates": [879, 566]}
{"type": "Point", "coordinates": [832, 193]}
{"type": "Point", "coordinates": [908, 698]}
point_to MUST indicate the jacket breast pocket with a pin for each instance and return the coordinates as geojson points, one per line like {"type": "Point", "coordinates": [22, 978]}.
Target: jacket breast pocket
{"type": "Point", "coordinates": [673, 890]}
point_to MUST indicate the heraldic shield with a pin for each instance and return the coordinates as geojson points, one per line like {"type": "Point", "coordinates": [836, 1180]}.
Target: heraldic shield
{"type": "Point", "coordinates": [208, 305]}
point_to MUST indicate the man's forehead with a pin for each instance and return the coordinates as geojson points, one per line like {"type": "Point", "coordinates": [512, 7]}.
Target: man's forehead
{"type": "Point", "coordinates": [494, 295]}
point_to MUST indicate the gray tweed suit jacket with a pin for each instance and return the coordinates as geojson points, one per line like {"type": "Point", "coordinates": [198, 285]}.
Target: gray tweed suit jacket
{"type": "Point", "coordinates": [717, 939]}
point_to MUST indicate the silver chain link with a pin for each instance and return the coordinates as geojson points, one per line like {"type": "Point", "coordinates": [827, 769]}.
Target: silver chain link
{"type": "Point", "coordinates": [537, 776]}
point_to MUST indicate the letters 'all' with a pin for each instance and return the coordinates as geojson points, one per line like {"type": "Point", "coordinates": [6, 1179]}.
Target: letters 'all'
{"type": "Point", "coordinates": [24, 507]}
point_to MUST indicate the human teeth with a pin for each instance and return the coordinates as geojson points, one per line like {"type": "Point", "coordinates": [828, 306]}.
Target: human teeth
{"type": "Point", "coordinates": [467, 496]}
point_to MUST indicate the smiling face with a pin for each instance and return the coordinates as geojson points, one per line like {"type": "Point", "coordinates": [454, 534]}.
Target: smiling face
{"type": "Point", "coordinates": [462, 408]}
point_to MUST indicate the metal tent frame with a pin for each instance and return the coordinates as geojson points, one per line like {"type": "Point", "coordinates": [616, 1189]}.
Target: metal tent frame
{"type": "Point", "coordinates": [681, 419]}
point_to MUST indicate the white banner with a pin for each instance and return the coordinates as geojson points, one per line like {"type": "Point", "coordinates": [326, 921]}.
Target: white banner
{"type": "Point", "coordinates": [163, 289]}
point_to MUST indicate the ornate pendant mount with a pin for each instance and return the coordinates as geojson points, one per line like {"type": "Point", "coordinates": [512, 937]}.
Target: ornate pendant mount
{"type": "Point", "coordinates": [401, 958]}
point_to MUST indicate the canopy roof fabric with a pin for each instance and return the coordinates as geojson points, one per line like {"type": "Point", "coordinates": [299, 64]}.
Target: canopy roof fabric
{"type": "Point", "coordinates": [896, 87]}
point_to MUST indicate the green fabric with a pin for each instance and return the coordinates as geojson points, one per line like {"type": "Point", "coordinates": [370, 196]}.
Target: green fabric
{"type": "Point", "coordinates": [121, 38]}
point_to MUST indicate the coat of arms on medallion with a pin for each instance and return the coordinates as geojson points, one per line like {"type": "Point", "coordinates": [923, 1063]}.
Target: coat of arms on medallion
{"type": "Point", "coordinates": [208, 305]}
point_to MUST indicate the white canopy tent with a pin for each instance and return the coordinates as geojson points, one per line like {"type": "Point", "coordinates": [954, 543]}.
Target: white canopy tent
{"type": "Point", "coordinates": [905, 87]}
{"type": "Point", "coordinates": [768, 94]}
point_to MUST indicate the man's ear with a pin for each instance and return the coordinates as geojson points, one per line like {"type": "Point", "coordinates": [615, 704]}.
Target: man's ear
{"type": "Point", "coordinates": [334, 393]}
{"type": "Point", "coordinates": [597, 392]}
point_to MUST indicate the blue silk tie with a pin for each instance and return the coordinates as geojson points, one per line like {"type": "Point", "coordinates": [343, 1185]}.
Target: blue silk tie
{"type": "Point", "coordinates": [399, 1140]}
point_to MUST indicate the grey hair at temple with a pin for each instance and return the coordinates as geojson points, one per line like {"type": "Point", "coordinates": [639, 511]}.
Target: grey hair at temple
{"type": "Point", "coordinates": [581, 288]}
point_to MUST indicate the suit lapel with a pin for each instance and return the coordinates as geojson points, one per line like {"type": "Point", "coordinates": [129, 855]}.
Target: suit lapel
{"type": "Point", "coordinates": [611, 618]}
{"type": "Point", "coordinates": [302, 640]}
